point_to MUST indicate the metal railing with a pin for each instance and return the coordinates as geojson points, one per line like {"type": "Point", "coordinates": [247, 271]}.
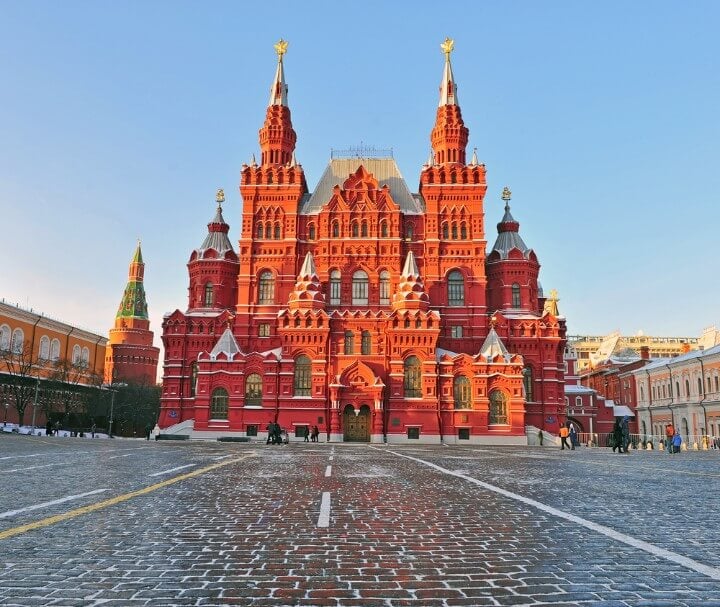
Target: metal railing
{"type": "Point", "coordinates": [693, 442]}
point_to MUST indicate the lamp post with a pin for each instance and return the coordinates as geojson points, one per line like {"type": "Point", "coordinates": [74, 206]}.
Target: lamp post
{"type": "Point", "coordinates": [112, 405]}
{"type": "Point", "coordinates": [37, 387]}
{"type": "Point", "coordinates": [7, 406]}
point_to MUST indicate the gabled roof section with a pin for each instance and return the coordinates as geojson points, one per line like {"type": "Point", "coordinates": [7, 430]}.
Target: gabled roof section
{"type": "Point", "coordinates": [225, 345]}
{"type": "Point", "coordinates": [494, 346]}
{"type": "Point", "coordinates": [384, 170]}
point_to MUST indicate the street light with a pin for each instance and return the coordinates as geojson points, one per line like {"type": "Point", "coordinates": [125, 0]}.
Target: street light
{"type": "Point", "coordinates": [7, 406]}
{"type": "Point", "coordinates": [112, 405]}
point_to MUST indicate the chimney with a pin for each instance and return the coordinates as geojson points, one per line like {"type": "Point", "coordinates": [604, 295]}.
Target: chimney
{"type": "Point", "coordinates": [645, 352]}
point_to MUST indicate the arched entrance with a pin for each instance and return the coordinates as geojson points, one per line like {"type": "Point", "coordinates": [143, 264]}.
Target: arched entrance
{"type": "Point", "coordinates": [356, 424]}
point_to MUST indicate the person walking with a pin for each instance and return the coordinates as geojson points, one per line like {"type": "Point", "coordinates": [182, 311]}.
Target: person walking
{"type": "Point", "coordinates": [315, 434]}
{"type": "Point", "coordinates": [573, 437]}
{"type": "Point", "coordinates": [616, 436]}
{"type": "Point", "coordinates": [669, 434]}
{"type": "Point", "coordinates": [306, 434]}
{"type": "Point", "coordinates": [625, 433]}
{"type": "Point", "coordinates": [148, 430]}
{"type": "Point", "coordinates": [564, 433]}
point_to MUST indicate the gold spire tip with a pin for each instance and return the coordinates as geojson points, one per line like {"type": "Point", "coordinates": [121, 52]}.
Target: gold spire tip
{"type": "Point", "coordinates": [447, 47]}
{"type": "Point", "coordinates": [281, 48]}
{"type": "Point", "coordinates": [554, 295]}
{"type": "Point", "coordinates": [506, 194]}
{"type": "Point", "coordinates": [220, 196]}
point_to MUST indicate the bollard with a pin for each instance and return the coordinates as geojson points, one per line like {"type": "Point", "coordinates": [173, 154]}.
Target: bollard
{"type": "Point", "coordinates": [695, 446]}
{"type": "Point", "coordinates": [649, 446]}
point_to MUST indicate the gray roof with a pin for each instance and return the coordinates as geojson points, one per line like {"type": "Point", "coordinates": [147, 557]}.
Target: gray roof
{"type": "Point", "coordinates": [385, 170]}
{"type": "Point", "coordinates": [226, 345]}
{"type": "Point", "coordinates": [494, 346]}
{"type": "Point", "coordinates": [217, 238]}
{"type": "Point", "coordinates": [508, 236]}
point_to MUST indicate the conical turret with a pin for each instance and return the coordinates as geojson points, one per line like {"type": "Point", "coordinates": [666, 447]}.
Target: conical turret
{"type": "Point", "coordinates": [307, 292]}
{"type": "Point", "coordinates": [410, 294]}
{"type": "Point", "coordinates": [133, 305]}
{"type": "Point", "coordinates": [277, 137]}
{"type": "Point", "coordinates": [450, 135]}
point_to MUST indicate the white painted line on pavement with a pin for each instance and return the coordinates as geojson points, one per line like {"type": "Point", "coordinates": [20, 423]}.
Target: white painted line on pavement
{"type": "Point", "coordinates": [217, 459]}
{"type": "Point", "coordinates": [32, 467]}
{"type": "Point", "coordinates": [711, 572]}
{"type": "Point", "coordinates": [116, 456]}
{"type": "Point", "coordinates": [52, 503]}
{"type": "Point", "coordinates": [331, 458]}
{"type": "Point", "coordinates": [328, 471]}
{"type": "Point", "coordinates": [324, 518]}
{"type": "Point", "coordinates": [19, 456]}
{"type": "Point", "coordinates": [172, 470]}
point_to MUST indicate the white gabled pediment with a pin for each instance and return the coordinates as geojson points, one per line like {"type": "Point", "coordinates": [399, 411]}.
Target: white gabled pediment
{"type": "Point", "coordinates": [225, 345]}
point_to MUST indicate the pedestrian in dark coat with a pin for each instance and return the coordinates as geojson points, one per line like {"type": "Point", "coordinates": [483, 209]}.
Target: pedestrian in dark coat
{"type": "Point", "coordinates": [306, 434]}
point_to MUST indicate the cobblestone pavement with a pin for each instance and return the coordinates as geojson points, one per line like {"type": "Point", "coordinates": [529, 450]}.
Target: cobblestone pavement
{"type": "Point", "coordinates": [237, 524]}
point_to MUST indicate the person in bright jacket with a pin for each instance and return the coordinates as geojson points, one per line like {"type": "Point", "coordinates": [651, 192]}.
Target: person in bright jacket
{"type": "Point", "coordinates": [676, 442]}
{"type": "Point", "coordinates": [564, 433]}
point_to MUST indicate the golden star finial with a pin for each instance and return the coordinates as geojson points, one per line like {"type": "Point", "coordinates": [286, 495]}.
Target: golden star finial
{"type": "Point", "coordinates": [554, 295]}
{"type": "Point", "coordinates": [281, 48]}
{"type": "Point", "coordinates": [220, 196]}
{"type": "Point", "coordinates": [447, 47]}
{"type": "Point", "coordinates": [506, 194]}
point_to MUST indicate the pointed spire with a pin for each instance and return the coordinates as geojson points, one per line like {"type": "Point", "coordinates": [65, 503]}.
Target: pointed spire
{"type": "Point", "coordinates": [133, 304]}
{"type": "Point", "coordinates": [308, 291]}
{"type": "Point", "coordinates": [493, 346]}
{"type": "Point", "coordinates": [431, 159]}
{"type": "Point", "coordinates": [293, 161]}
{"type": "Point", "coordinates": [410, 294]}
{"type": "Point", "coordinates": [278, 90]}
{"type": "Point", "coordinates": [474, 160]}
{"type": "Point", "coordinates": [448, 88]}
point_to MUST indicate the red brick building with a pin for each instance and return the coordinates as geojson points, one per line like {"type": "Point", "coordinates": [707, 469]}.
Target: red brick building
{"type": "Point", "coordinates": [362, 308]}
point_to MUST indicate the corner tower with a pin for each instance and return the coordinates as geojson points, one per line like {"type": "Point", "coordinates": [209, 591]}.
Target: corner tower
{"type": "Point", "coordinates": [130, 356]}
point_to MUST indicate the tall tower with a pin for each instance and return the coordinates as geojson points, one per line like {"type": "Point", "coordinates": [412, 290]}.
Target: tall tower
{"type": "Point", "coordinates": [130, 356]}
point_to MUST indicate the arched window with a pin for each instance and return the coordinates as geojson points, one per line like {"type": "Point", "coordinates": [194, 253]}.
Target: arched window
{"type": "Point", "coordinates": [336, 229]}
{"type": "Point", "coordinates": [456, 289]}
{"type": "Point", "coordinates": [18, 341]}
{"type": "Point", "coordinates": [364, 229]}
{"type": "Point", "coordinates": [335, 288]}
{"type": "Point", "coordinates": [699, 382]}
{"type": "Point", "coordinates": [383, 229]}
{"type": "Point", "coordinates": [85, 356]}
{"type": "Point", "coordinates": [302, 376]}
{"type": "Point", "coordinates": [253, 390]}
{"type": "Point", "coordinates": [259, 231]}
{"type": "Point", "coordinates": [409, 231]}
{"type": "Point", "coordinates": [642, 392]}
{"type": "Point", "coordinates": [349, 342]}
{"type": "Point", "coordinates": [360, 288]}
{"type": "Point", "coordinates": [193, 378]}
{"type": "Point", "coordinates": [354, 230]}
{"type": "Point", "coordinates": [219, 404]}
{"type": "Point", "coordinates": [276, 235]}
{"type": "Point", "coordinates": [498, 408]}
{"type": "Point", "coordinates": [412, 377]}
{"type": "Point", "coordinates": [4, 338]}
{"type": "Point", "coordinates": [687, 388]}
{"type": "Point", "coordinates": [445, 231]}
{"type": "Point", "coordinates": [515, 295]}
{"type": "Point", "coordinates": [384, 288]}
{"type": "Point", "coordinates": [528, 383]}
{"type": "Point", "coordinates": [266, 292]}
{"type": "Point", "coordinates": [366, 343]}
{"type": "Point", "coordinates": [311, 231]}
{"type": "Point", "coordinates": [453, 231]}
{"type": "Point", "coordinates": [461, 392]}
{"type": "Point", "coordinates": [55, 349]}
{"type": "Point", "coordinates": [463, 231]}
{"type": "Point", "coordinates": [44, 352]}
{"type": "Point", "coordinates": [76, 355]}
{"type": "Point", "coordinates": [208, 298]}
{"type": "Point", "coordinates": [677, 390]}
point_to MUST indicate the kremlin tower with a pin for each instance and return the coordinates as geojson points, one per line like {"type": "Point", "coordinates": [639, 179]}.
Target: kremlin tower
{"type": "Point", "coordinates": [130, 356]}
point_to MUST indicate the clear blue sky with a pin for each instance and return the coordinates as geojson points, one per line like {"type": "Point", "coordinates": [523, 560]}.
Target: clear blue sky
{"type": "Point", "coordinates": [119, 120]}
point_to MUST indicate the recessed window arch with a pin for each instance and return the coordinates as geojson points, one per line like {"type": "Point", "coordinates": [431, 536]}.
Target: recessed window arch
{"type": "Point", "coordinates": [335, 229]}
{"type": "Point", "coordinates": [55, 349]}
{"type": "Point", "coordinates": [335, 288]}
{"type": "Point", "coordinates": [687, 388]}
{"type": "Point", "coordinates": [219, 404]}
{"type": "Point", "coordinates": [463, 231]}
{"type": "Point", "coordinates": [461, 392]}
{"type": "Point", "coordinates": [528, 383]}
{"type": "Point", "coordinates": [454, 232]}
{"type": "Point", "coordinates": [384, 288]}
{"type": "Point", "coordinates": [311, 231]}
{"type": "Point", "coordinates": [276, 234]}
{"type": "Point", "coordinates": [360, 288]}
{"type": "Point", "coordinates": [383, 229]}
{"type": "Point", "coordinates": [700, 386]}
{"type": "Point", "coordinates": [208, 295]}
{"type": "Point", "coordinates": [18, 341]}
{"type": "Point", "coordinates": [456, 289]}
{"type": "Point", "coordinates": [193, 378]}
{"type": "Point", "coordinates": [253, 390]}
{"type": "Point", "coordinates": [498, 408]}
{"type": "Point", "coordinates": [85, 356]}
{"type": "Point", "coordinates": [445, 231]}
{"type": "Point", "coordinates": [515, 295]}
{"type": "Point", "coordinates": [259, 231]}
{"type": "Point", "coordinates": [4, 337]}
{"type": "Point", "coordinates": [302, 377]}
{"type": "Point", "coordinates": [355, 229]}
{"type": "Point", "coordinates": [366, 343]}
{"type": "Point", "coordinates": [266, 290]}
{"type": "Point", "coordinates": [76, 355]}
{"type": "Point", "coordinates": [44, 351]}
{"type": "Point", "coordinates": [349, 342]}
{"type": "Point", "coordinates": [364, 229]}
{"type": "Point", "coordinates": [412, 377]}
{"type": "Point", "coordinates": [409, 231]}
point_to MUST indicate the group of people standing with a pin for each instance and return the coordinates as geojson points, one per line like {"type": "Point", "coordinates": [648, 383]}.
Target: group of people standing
{"type": "Point", "coordinates": [568, 432]}
{"type": "Point", "coordinates": [276, 435]}
{"type": "Point", "coordinates": [620, 438]}
{"type": "Point", "coordinates": [312, 435]}
{"type": "Point", "coordinates": [673, 439]}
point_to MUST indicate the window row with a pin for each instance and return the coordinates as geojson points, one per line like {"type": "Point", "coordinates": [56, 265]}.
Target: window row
{"type": "Point", "coordinates": [450, 231]}
{"type": "Point", "coordinates": [360, 288]}
{"type": "Point", "coordinates": [360, 229]}
{"type": "Point", "coordinates": [268, 231]}
{"type": "Point", "coordinates": [47, 349]}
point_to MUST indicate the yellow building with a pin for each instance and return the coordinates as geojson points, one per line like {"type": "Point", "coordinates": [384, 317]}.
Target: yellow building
{"type": "Point", "coordinates": [35, 347]}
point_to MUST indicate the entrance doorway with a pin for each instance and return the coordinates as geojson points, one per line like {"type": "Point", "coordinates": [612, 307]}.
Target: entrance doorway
{"type": "Point", "coordinates": [356, 428]}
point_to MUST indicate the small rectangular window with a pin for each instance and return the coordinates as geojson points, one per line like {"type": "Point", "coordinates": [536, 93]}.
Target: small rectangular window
{"type": "Point", "coordinates": [251, 431]}
{"type": "Point", "coordinates": [456, 331]}
{"type": "Point", "coordinates": [463, 433]}
{"type": "Point", "coordinates": [264, 329]}
{"type": "Point", "coordinates": [413, 433]}
{"type": "Point", "coordinates": [300, 431]}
